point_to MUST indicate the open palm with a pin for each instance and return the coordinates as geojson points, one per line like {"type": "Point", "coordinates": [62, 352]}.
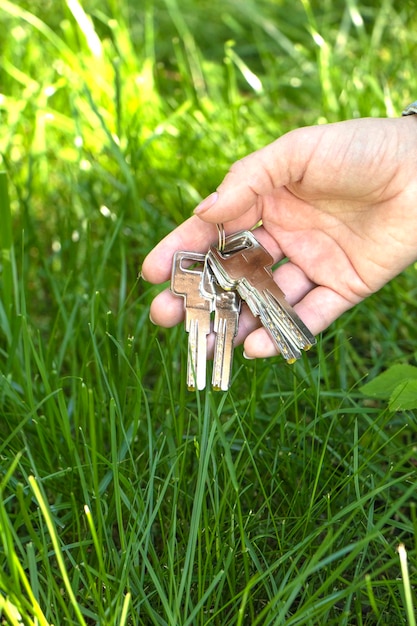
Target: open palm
{"type": "Point", "coordinates": [337, 202]}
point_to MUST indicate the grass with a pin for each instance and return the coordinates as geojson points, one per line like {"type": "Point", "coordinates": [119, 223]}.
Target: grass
{"type": "Point", "coordinates": [125, 499]}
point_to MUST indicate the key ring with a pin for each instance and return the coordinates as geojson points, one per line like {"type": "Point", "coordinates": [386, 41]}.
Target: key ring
{"type": "Point", "coordinates": [222, 237]}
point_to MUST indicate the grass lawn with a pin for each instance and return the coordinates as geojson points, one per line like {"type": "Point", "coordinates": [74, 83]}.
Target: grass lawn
{"type": "Point", "coordinates": [126, 499]}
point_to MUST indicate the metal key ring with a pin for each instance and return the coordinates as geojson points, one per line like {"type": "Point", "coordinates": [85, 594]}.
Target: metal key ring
{"type": "Point", "coordinates": [222, 236]}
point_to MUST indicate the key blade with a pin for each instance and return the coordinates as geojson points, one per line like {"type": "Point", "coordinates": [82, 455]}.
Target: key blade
{"type": "Point", "coordinates": [294, 324]}
{"type": "Point", "coordinates": [226, 307]}
{"type": "Point", "coordinates": [197, 355]}
{"type": "Point", "coordinates": [286, 347]}
{"type": "Point", "coordinates": [223, 357]}
{"type": "Point", "coordinates": [226, 322]}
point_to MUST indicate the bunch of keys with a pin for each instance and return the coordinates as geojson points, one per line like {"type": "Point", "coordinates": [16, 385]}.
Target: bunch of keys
{"type": "Point", "coordinates": [238, 268]}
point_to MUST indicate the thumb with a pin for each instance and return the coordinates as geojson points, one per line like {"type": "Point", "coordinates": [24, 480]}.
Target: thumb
{"type": "Point", "coordinates": [252, 178]}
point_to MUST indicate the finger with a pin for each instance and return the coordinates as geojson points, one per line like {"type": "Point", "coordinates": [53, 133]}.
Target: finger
{"type": "Point", "coordinates": [193, 235]}
{"type": "Point", "coordinates": [322, 306]}
{"type": "Point", "coordinates": [269, 243]}
{"type": "Point", "coordinates": [166, 309]}
{"type": "Point", "coordinates": [293, 282]}
{"type": "Point", "coordinates": [256, 176]}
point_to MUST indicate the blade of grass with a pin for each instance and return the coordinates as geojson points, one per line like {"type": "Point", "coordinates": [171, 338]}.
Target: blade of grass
{"type": "Point", "coordinates": [407, 585]}
{"type": "Point", "coordinates": [57, 548]}
{"type": "Point", "coordinates": [6, 245]}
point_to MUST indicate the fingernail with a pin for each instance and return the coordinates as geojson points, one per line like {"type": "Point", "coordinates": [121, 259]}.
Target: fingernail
{"type": "Point", "coordinates": [207, 203]}
{"type": "Point", "coordinates": [249, 358]}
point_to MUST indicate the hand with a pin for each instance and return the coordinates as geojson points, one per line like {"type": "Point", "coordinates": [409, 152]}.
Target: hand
{"type": "Point", "coordinates": [338, 201]}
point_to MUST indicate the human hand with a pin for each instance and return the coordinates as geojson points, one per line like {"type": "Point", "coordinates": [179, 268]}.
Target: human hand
{"type": "Point", "coordinates": [338, 201]}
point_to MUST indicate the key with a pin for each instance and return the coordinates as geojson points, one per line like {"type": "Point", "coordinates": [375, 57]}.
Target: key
{"type": "Point", "coordinates": [226, 307]}
{"type": "Point", "coordinates": [187, 269]}
{"type": "Point", "coordinates": [245, 265]}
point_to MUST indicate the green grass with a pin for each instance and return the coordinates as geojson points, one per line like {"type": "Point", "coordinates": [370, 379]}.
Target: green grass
{"type": "Point", "coordinates": [125, 499]}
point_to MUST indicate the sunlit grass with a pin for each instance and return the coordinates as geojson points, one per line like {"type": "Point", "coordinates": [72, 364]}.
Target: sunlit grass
{"type": "Point", "coordinates": [124, 498]}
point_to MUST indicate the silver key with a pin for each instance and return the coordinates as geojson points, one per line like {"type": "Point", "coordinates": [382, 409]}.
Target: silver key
{"type": "Point", "coordinates": [245, 265]}
{"type": "Point", "coordinates": [187, 269]}
{"type": "Point", "coordinates": [226, 307]}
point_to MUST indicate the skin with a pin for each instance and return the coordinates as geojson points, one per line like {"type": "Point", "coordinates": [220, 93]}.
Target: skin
{"type": "Point", "coordinates": [338, 201]}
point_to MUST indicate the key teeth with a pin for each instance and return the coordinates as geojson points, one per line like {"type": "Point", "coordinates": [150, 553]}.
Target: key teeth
{"type": "Point", "coordinates": [296, 329]}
